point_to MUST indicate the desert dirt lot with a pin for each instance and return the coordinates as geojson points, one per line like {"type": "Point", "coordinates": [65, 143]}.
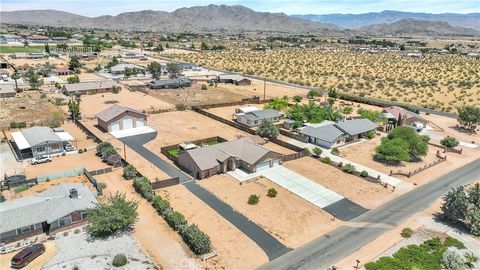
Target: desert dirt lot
{"type": "Point", "coordinates": [81, 140]}
{"type": "Point", "coordinates": [26, 107]}
{"type": "Point", "coordinates": [236, 250]}
{"type": "Point", "coordinates": [93, 104]}
{"type": "Point", "coordinates": [360, 191]}
{"type": "Point", "coordinates": [290, 219]}
{"type": "Point", "coordinates": [178, 127]}
{"type": "Point", "coordinates": [38, 263]}
{"type": "Point", "coordinates": [385, 75]}
{"type": "Point", "coordinates": [447, 126]}
{"type": "Point", "coordinates": [194, 95]}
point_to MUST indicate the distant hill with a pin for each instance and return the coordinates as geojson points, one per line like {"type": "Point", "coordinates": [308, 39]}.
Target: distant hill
{"type": "Point", "coordinates": [412, 27]}
{"type": "Point", "coordinates": [202, 18]}
{"type": "Point", "coordinates": [355, 21]}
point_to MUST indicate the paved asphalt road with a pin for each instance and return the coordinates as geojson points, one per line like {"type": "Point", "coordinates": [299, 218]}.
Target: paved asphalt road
{"type": "Point", "coordinates": [272, 247]}
{"type": "Point", "coordinates": [328, 249]}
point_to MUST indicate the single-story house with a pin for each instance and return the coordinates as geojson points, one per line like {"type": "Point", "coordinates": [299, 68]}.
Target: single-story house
{"type": "Point", "coordinates": [39, 141]}
{"type": "Point", "coordinates": [61, 71]}
{"type": "Point", "coordinates": [228, 156]}
{"type": "Point", "coordinates": [7, 90]}
{"type": "Point", "coordinates": [38, 39]}
{"type": "Point", "coordinates": [46, 212]}
{"type": "Point", "coordinates": [175, 83]}
{"type": "Point", "coordinates": [120, 68]}
{"type": "Point", "coordinates": [254, 118]}
{"type": "Point", "coordinates": [329, 134]}
{"type": "Point", "coordinates": [407, 118]}
{"type": "Point", "coordinates": [88, 88]}
{"type": "Point", "coordinates": [117, 117]}
{"type": "Point", "coordinates": [234, 78]}
{"type": "Point", "coordinates": [36, 55]}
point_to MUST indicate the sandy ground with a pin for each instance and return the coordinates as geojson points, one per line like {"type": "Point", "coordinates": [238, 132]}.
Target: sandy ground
{"type": "Point", "coordinates": [190, 126]}
{"type": "Point", "coordinates": [290, 219]}
{"type": "Point", "coordinates": [446, 126]}
{"type": "Point", "coordinates": [93, 104]}
{"type": "Point", "coordinates": [81, 141]}
{"type": "Point", "coordinates": [38, 263]}
{"type": "Point", "coordinates": [152, 232]}
{"type": "Point", "coordinates": [363, 192]}
{"type": "Point", "coordinates": [34, 190]}
{"type": "Point", "coordinates": [63, 163]}
{"type": "Point", "coordinates": [26, 107]}
{"type": "Point", "coordinates": [236, 250]}
{"type": "Point", "coordinates": [194, 95]}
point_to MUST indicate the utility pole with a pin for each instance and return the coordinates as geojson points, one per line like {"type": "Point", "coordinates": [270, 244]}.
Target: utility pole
{"type": "Point", "coordinates": [124, 154]}
{"type": "Point", "coordinates": [264, 88]}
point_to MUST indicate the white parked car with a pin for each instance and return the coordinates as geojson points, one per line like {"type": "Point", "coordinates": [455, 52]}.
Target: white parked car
{"type": "Point", "coordinates": [418, 126]}
{"type": "Point", "coordinates": [41, 159]}
{"type": "Point", "coordinates": [69, 148]}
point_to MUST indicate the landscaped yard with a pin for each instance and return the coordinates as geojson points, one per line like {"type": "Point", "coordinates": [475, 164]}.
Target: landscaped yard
{"type": "Point", "coordinates": [23, 49]}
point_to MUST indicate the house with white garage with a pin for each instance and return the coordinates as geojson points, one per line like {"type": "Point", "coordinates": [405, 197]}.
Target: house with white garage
{"type": "Point", "coordinates": [329, 134]}
{"type": "Point", "coordinates": [40, 141]}
{"type": "Point", "coordinates": [61, 206]}
{"type": "Point", "coordinates": [117, 117]}
{"type": "Point", "coordinates": [242, 153]}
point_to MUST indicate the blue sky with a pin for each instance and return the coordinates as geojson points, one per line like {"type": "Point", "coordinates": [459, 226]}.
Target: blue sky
{"type": "Point", "coordinates": [113, 7]}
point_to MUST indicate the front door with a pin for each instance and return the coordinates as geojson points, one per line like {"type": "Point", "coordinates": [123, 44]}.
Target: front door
{"type": "Point", "coordinates": [46, 227]}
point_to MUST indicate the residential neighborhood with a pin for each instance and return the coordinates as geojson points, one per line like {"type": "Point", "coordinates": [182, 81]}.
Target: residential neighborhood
{"type": "Point", "coordinates": [270, 141]}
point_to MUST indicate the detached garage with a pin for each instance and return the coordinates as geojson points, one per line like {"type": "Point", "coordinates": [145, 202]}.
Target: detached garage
{"type": "Point", "coordinates": [116, 118]}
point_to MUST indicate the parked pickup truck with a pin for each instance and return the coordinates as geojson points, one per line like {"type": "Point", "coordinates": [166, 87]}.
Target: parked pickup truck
{"type": "Point", "coordinates": [41, 159]}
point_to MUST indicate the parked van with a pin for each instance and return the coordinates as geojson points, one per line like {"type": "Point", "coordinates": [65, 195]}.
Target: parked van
{"type": "Point", "coordinates": [26, 255]}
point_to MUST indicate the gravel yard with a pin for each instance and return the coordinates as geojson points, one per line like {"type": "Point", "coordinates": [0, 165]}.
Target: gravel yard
{"type": "Point", "coordinates": [78, 250]}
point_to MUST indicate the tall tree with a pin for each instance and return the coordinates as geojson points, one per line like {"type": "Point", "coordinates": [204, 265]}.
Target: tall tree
{"type": "Point", "coordinates": [74, 63]}
{"type": "Point", "coordinates": [33, 79]}
{"type": "Point", "coordinates": [47, 48]}
{"type": "Point", "coordinates": [455, 204]}
{"type": "Point", "coordinates": [173, 70]}
{"type": "Point", "coordinates": [268, 130]}
{"type": "Point", "coordinates": [155, 69]}
{"type": "Point", "coordinates": [469, 117]}
{"type": "Point", "coordinates": [74, 108]}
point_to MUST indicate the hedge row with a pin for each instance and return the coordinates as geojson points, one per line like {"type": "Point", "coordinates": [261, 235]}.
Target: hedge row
{"type": "Point", "coordinates": [377, 102]}
{"type": "Point", "coordinates": [198, 241]}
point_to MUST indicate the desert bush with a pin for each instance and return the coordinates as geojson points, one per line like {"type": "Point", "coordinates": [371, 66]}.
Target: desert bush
{"type": "Point", "coordinates": [180, 107]}
{"type": "Point", "coordinates": [449, 142]}
{"type": "Point", "coordinates": [335, 151]}
{"type": "Point", "coordinates": [116, 89]}
{"type": "Point", "coordinates": [204, 87]}
{"type": "Point", "coordinates": [297, 98]}
{"type": "Point", "coordinates": [406, 232]}
{"type": "Point", "coordinates": [452, 260]}
{"type": "Point", "coordinates": [364, 173]}
{"type": "Point", "coordinates": [119, 260]}
{"type": "Point", "coordinates": [326, 160]}
{"type": "Point", "coordinates": [102, 185]}
{"type": "Point", "coordinates": [101, 146]}
{"type": "Point", "coordinates": [253, 199]}
{"type": "Point", "coordinates": [175, 219]}
{"type": "Point", "coordinates": [143, 186]}
{"type": "Point", "coordinates": [161, 205]}
{"type": "Point", "coordinates": [272, 193]}
{"type": "Point", "coordinates": [317, 151]}
{"type": "Point", "coordinates": [129, 172]}
{"type": "Point", "coordinates": [114, 160]}
{"type": "Point", "coordinates": [370, 134]}
{"type": "Point", "coordinates": [80, 151]}
{"type": "Point", "coordinates": [340, 164]}
{"type": "Point", "coordinates": [349, 168]}
{"type": "Point", "coordinates": [454, 242]}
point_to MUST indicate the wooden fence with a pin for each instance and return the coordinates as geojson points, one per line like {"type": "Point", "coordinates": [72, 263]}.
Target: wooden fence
{"type": "Point", "coordinates": [165, 183]}
{"type": "Point", "coordinates": [447, 149]}
{"type": "Point", "coordinates": [88, 132]}
{"type": "Point", "coordinates": [250, 100]}
{"type": "Point", "coordinates": [101, 171]}
{"type": "Point", "coordinates": [421, 169]}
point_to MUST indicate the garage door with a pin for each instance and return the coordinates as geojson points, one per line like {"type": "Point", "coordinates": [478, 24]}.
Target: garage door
{"type": "Point", "coordinates": [275, 162]}
{"type": "Point", "coordinates": [115, 127]}
{"type": "Point", "coordinates": [263, 166]}
{"type": "Point", "coordinates": [127, 123]}
{"type": "Point", "coordinates": [139, 123]}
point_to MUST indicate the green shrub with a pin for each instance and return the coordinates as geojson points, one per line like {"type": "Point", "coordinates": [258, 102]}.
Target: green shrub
{"type": "Point", "coordinates": [370, 134]}
{"type": "Point", "coordinates": [198, 241]}
{"type": "Point", "coordinates": [102, 186]}
{"type": "Point", "coordinates": [20, 188]}
{"type": "Point", "coordinates": [326, 160]}
{"type": "Point", "coordinates": [349, 168]}
{"type": "Point", "coordinates": [18, 125]}
{"type": "Point", "coordinates": [180, 107]}
{"type": "Point", "coordinates": [107, 152]}
{"type": "Point", "coordinates": [119, 260]}
{"type": "Point", "coordinates": [204, 87]}
{"type": "Point", "coordinates": [272, 193]}
{"type": "Point", "coordinates": [340, 164]}
{"type": "Point", "coordinates": [129, 172]}
{"type": "Point", "coordinates": [317, 151]}
{"type": "Point", "coordinates": [176, 220]}
{"type": "Point", "coordinates": [101, 146]}
{"type": "Point", "coordinates": [116, 89]}
{"type": "Point", "coordinates": [364, 173]}
{"type": "Point", "coordinates": [449, 142]}
{"type": "Point", "coordinates": [162, 206]}
{"type": "Point", "coordinates": [43, 95]}
{"type": "Point", "coordinates": [253, 199]}
{"type": "Point", "coordinates": [453, 242]}
{"type": "Point", "coordinates": [143, 186]}
{"type": "Point", "coordinates": [80, 151]}
{"type": "Point", "coordinates": [406, 232]}
{"type": "Point", "coordinates": [335, 151]}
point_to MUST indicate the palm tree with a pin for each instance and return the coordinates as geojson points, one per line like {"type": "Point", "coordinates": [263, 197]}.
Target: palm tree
{"type": "Point", "coordinates": [15, 76]}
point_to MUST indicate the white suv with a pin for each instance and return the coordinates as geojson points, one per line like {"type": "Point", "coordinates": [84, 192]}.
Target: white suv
{"type": "Point", "coordinates": [41, 159]}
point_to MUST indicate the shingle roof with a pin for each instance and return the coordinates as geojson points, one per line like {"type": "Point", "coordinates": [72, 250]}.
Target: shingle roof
{"type": "Point", "coordinates": [48, 206]}
{"type": "Point", "coordinates": [262, 114]}
{"type": "Point", "coordinates": [38, 135]}
{"type": "Point", "coordinates": [86, 86]}
{"type": "Point", "coordinates": [328, 133]}
{"type": "Point", "coordinates": [396, 111]}
{"type": "Point", "coordinates": [114, 111]}
{"type": "Point", "coordinates": [356, 126]}
{"type": "Point", "coordinates": [180, 81]}
{"type": "Point", "coordinates": [122, 67]}
{"type": "Point", "coordinates": [244, 149]}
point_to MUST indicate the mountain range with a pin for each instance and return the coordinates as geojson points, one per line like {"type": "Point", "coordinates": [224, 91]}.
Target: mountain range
{"type": "Point", "coordinates": [355, 21]}
{"type": "Point", "coordinates": [239, 18]}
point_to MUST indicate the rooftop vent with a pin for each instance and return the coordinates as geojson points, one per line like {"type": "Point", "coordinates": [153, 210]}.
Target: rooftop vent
{"type": "Point", "coordinates": [73, 193]}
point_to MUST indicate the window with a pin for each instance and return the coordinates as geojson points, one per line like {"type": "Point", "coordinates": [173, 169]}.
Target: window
{"type": "Point", "coordinates": [83, 214]}
{"type": "Point", "coordinates": [40, 149]}
{"type": "Point", "coordinates": [55, 146]}
{"type": "Point", "coordinates": [25, 229]}
{"type": "Point", "coordinates": [64, 221]}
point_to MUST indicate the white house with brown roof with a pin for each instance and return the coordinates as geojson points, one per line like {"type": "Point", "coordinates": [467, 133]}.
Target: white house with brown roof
{"type": "Point", "coordinates": [117, 117]}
